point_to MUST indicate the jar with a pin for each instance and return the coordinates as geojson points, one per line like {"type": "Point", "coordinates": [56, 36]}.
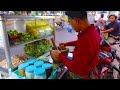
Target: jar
{"type": "Point", "coordinates": [29, 71]}
{"type": "Point", "coordinates": [31, 61]}
{"type": "Point", "coordinates": [48, 69]}
{"type": "Point", "coordinates": [38, 64]}
{"type": "Point", "coordinates": [21, 69]}
{"type": "Point", "coordinates": [39, 73]}
{"type": "Point", "coordinates": [54, 65]}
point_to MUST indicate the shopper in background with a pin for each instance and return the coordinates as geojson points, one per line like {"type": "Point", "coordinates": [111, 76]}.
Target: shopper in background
{"type": "Point", "coordinates": [100, 23]}
{"type": "Point", "coordinates": [119, 17]}
{"type": "Point", "coordinates": [87, 47]}
{"type": "Point", "coordinates": [112, 29]}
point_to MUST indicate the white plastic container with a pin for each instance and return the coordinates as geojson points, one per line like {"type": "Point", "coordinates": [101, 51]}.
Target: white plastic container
{"type": "Point", "coordinates": [29, 72]}
{"type": "Point", "coordinates": [39, 73]}
{"type": "Point", "coordinates": [20, 25]}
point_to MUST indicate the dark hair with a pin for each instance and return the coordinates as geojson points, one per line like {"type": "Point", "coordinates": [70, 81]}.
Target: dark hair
{"type": "Point", "coordinates": [102, 15]}
{"type": "Point", "coordinates": [113, 15]}
{"type": "Point", "coordinates": [77, 14]}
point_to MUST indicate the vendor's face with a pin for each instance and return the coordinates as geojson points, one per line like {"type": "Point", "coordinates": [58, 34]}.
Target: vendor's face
{"type": "Point", "coordinates": [75, 23]}
{"type": "Point", "coordinates": [112, 19]}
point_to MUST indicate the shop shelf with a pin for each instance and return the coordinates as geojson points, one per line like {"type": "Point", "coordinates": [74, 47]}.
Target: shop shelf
{"type": "Point", "coordinates": [27, 17]}
{"type": "Point", "coordinates": [47, 37]}
{"type": "Point", "coordinates": [7, 46]}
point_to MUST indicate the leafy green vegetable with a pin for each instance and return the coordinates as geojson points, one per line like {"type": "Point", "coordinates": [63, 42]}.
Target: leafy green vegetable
{"type": "Point", "coordinates": [38, 48]}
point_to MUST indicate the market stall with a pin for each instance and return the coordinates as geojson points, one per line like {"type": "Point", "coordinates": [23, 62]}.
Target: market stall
{"type": "Point", "coordinates": [35, 62]}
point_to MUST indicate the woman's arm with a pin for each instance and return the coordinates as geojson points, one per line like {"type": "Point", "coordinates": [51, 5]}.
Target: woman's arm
{"type": "Point", "coordinates": [114, 27]}
{"type": "Point", "coordinates": [108, 30]}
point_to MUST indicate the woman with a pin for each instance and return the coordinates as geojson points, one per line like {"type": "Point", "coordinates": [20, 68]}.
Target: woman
{"type": "Point", "coordinates": [112, 29]}
{"type": "Point", "coordinates": [113, 32]}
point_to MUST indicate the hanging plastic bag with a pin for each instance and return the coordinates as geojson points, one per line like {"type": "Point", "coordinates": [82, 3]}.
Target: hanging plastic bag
{"type": "Point", "coordinates": [68, 27]}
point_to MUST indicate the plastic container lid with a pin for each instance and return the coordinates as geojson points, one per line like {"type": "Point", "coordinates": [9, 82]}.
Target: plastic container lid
{"type": "Point", "coordinates": [47, 65]}
{"type": "Point", "coordinates": [39, 71]}
{"type": "Point", "coordinates": [30, 69]}
{"type": "Point", "coordinates": [31, 61]}
{"type": "Point", "coordinates": [38, 63]}
{"type": "Point", "coordinates": [23, 66]}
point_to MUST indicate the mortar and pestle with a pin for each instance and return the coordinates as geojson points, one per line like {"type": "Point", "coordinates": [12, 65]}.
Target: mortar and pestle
{"type": "Point", "coordinates": [64, 50]}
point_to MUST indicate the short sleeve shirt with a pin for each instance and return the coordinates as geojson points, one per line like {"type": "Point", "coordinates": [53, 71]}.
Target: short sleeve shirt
{"type": "Point", "coordinates": [116, 27]}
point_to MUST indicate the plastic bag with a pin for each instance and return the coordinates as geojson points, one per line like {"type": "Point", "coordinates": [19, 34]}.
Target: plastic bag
{"type": "Point", "coordinates": [69, 28]}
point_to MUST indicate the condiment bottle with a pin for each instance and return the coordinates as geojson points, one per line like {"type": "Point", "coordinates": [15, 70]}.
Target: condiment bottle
{"type": "Point", "coordinates": [21, 68]}
{"type": "Point", "coordinates": [39, 73]}
{"type": "Point", "coordinates": [29, 71]}
{"type": "Point", "coordinates": [38, 64]}
{"type": "Point", "coordinates": [48, 68]}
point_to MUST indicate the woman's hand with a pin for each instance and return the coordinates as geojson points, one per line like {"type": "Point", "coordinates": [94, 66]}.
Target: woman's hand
{"type": "Point", "coordinates": [101, 31]}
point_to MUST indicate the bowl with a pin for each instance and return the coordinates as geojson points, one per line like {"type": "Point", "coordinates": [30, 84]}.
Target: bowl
{"type": "Point", "coordinates": [64, 52]}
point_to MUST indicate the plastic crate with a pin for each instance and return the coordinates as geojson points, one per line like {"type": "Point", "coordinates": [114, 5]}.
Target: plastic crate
{"type": "Point", "coordinates": [17, 75]}
{"type": "Point", "coordinates": [53, 75]}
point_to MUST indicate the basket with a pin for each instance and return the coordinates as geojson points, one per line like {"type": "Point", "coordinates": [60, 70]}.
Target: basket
{"type": "Point", "coordinates": [53, 75]}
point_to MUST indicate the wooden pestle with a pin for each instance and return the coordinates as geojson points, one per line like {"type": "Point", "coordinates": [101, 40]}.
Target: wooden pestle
{"type": "Point", "coordinates": [55, 47]}
{"type": "Point", "coordinates": [54, 44]}
{"type": "Point", "coordinates": [65, 52]}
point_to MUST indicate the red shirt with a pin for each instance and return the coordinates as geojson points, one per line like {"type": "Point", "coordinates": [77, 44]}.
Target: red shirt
{"type": "Point", "coordinates": [85, 55]}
